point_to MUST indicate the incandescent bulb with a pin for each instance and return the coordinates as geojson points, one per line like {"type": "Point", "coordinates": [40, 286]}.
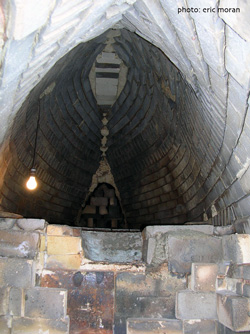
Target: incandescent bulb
{"type": "Point", "coordinates": [31, 183]}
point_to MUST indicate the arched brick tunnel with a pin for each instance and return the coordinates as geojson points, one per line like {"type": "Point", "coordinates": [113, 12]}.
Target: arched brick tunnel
{"type": "Point", "coordinates": [178, 132]}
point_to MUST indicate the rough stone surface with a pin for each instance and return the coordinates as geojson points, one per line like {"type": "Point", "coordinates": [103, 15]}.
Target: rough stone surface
{"type": "Point", "coordinates": [142, 326]}
{"type": "Point", "coordinates": [15, 301]}
{"type": "Point", "coordinates": [18, 244]}
{"type": "Point", "coordinates": [112, 246]}
{"type": "Point", "coordinates": [4, 301]}
{"type": "Point", "coordinates": [7, 223]}
{"type": "Point", "coordinates": [90, 304]}
{"type": "Point", "coordinates": [5, 325]}
{"type": "Point", "coordinates": [145, 296]}
{"type": "Point", "coordinates": [39, 325]}
{"type": "Point", "coordinates": [199, 326]}
{"type": "Point", "coordinates": [45, 303]}
{"type": "Point", "coordinates": [68, 261]}
{"type": "Point", "coordinates": [233, 311]}
{"type": "Point", "coordinates": [60, 230]}
{"type": "Point", "coordinates": [188, 247]}
{"type": "Point", "coordinates": [196, 305]}
{"type": "Point", "coordinates": [151, 231]}
{"type": "Point", "coordinates": [62, 245]}
{"type": "Point", "coordinates": [31, 224]}
{"type": "Point", "coordinates": [17, 272]}
{"type": "Point", "coordinates": [203, 276]}
{"type": "Point", "coordinates": [236, 248]}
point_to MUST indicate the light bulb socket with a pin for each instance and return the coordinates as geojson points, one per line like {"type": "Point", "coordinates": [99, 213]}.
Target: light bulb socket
{"type": "Point", "coordinates": [32, 171]}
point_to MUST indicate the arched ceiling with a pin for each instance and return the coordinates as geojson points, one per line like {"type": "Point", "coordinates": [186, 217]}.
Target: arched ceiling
{"type": "Point", "coordinates": [178, 140]}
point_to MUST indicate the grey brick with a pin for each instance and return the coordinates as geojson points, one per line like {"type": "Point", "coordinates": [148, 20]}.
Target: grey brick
{"type": "Point", "coordinates": [17, 272]}
{"type": "Point", "coordinates": [233, 311]}
{"type": "Point", "coordinates": [195, 305]}
{"type": "Point", "coordinates": [18, 244]}
{"type": "Point", "coordinates": [16, 301]}
{"type": "Point", "coordinates": [5, 325]}
{"type": "Point", "coordinates": [203, 276]}
{"type": "Point", "coordinates": [48, 303]}
{"type": "Point", "coordinates": [199, 326]}
{"type": "Point", "coordinates": [4, 301]}
{"type": "Point", "coordinates": [161, 326]}
{"type": "Point", "coordinates": [40, 325]}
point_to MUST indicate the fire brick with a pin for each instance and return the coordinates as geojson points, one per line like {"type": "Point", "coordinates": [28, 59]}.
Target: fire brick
{"type": "Point", "coordinates": [17, 272]}
{"type": "Point", "coordinates": [159, 326]}
{"type": "Point", "coordinates": [4, 301]}
{"type": "Point", "coordinates": [45, 303]}
{"type": "Point", "coordinates": [199, 326]}
{"type": "Point", "coordinates": [195, 305]}
{"type": "Point", "coordinates": [203, 277]}
{"type": "Point", "coordinates": [68, 261]}
{"type": "Point", "coordinates": [15, 301]}
{"type": "Point", "coordinates": [236, 248]}
{"type": "Point", "coordinates": [98, 201]}
{"type": "Point", "coordinates": [18, 244]}
{"type": "Point", "coordinates": [90, 304]}
{"type": "Point", "coordinates": [233, 311]}
{"type": "Point", "coordinates": [4, 325]}
{"type": "Point", "coordinates": [57, 245]}
{"type": "Point", "coordinates": [39, 325]}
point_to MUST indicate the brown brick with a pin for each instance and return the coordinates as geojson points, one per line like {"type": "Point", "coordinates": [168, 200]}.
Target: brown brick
{"type": "Point", "coordinates": [109, 193]}
{"type": "Point", "coordinates": [113, 201]}
{"type": "Point", "coordinates": [203, 277]}
{"type": "Point", "coordinates": [57, 245]}
{"type": "Point", "coordinates": [159, 326]}
{"type": "Point", "coordinates": [67, 261]}
{"type": "Point", "coordinates": [18, 244]}
{"type": "Point", "coordinates": [45, 303]}
{"type": "Point", "coordinates": [17, 272]}
{"type": "Point", "coordinates": [89, 301]}
{"type": "Point", "coordinates": [90, 222]}
{"type": "Point", "coordinates": [39, 325]}
{"type": "Point", "coordinates": [89, 209]}
{"type": "Point", "coordinates": [103, 210]}
{"type": "Point", "coordinates": [98, 201]}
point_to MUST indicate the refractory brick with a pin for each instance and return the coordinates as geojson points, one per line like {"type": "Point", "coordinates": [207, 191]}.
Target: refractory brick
{"type": "Point", "coordinates": [203, 277]}
{"type": "Point", "coordinates": [17, 272]}
{"type": "Point", "coordinates": [159, 326]}
{"type": "Point", "coordinates": [195, 305]}
{"type": "Point", "coordinates": [18, 244]}
{"type": "Point", "coordinates": [233, 311]}
{"type": "Point", "coordinates": [45, 303]}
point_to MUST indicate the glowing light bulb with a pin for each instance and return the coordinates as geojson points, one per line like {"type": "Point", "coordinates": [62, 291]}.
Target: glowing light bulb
{"type": "Point", "coordinates": [32, 183]}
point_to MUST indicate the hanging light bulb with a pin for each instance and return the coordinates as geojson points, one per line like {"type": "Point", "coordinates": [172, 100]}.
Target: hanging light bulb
{"type": "Point", "coordinates": [31, 184]}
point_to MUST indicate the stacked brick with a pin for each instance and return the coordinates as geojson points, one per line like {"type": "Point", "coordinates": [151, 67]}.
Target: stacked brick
{"type": "Point", "coordinates": [102, 209]}
{"type": "Point", "coordinates": [25, 307]}
{"type": "Point", "coordinates": [216, 299]}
